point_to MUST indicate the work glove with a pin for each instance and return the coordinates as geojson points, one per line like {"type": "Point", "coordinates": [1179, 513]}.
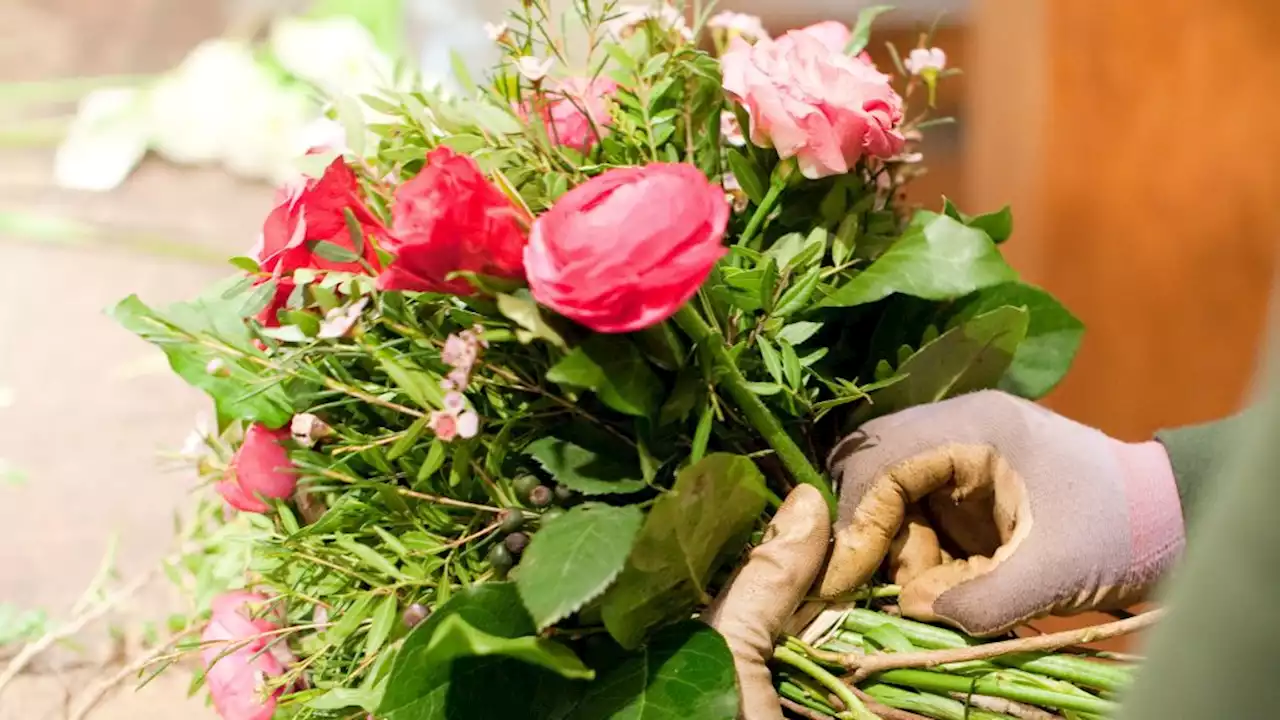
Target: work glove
{"type": "Point", "coordinates": [989, 510]}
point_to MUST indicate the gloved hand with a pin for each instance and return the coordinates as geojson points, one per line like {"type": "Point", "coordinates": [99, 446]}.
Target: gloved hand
{"type": "Point", "coordinates": [990, 511]}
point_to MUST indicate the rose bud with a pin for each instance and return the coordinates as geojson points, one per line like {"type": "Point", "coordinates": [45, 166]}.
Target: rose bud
{"type": "Point", "coordinates": [260, 469]}
{"type": "Point", "coordinates": [624, 250]}
{"type": "Point", "coordinates": [237, 659]}
{"type": "Point", "coordinates": [414, 614]}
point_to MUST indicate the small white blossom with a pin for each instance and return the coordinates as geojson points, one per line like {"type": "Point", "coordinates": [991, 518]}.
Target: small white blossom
{"type": "Point", "coordinates": [496, 31]}
{"type": "Point", "coordinates": [192, 108]}
{"type": "Point", "coordinates": [533, 69]}
{"type": "Point", "coordinates": [106, 141]}
{"type": "Point", "coordinates": [196, 446]}
{"type": "Point", "coordinates": [217, 367]}
{"type": "Point", "coordinates": [749, 26]}
{"type": "Point", "coordinates": [339, 321]}
{"type": "Point", "coordinates": [307, 429]}
{"type": "Point", "coordinates": [731, 129]}
{"type": "Point", "coordinates": [629, 17]}
{"type": "Point", "coordinates": [337, 53]}
{"type": "Point", "coordinates": [925, 59]}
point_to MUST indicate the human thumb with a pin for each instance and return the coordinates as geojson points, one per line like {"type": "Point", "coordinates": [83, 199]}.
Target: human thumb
{"type": "Point", "coordinates": [766, 590]}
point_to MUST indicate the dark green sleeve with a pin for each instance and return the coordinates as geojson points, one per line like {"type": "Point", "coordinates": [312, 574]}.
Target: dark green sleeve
{"type": "Point", "coordinates": [1196, 452]}
{"type": "Point", "coordinates": [1214, 656]}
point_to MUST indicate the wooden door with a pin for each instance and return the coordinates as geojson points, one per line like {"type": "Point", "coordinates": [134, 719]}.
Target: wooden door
{"type": "Point", "coordinates": [1140, 145]}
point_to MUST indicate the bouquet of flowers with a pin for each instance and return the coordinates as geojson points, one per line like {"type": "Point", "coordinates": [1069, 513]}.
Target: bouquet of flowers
{"type": "Point", "coordinates": [504, 395]}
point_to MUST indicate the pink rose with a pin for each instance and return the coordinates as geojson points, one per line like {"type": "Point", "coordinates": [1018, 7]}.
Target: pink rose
{"type": "Point", "coordinates": [563, 115]}
{"type": "Point", "coordinates": [260, 469]}
{"type": "Point", "coordinates": [627, 248]}
{"type": "Point", "coordinates": [237, 660]}
{"type": "Point", "coordinates": [814, 103]}
{"type": "Point", "coordinates": [835, 35]}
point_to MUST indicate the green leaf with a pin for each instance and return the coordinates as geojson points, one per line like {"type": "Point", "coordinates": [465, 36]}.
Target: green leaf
{"type": "Point", "coordinates": [772, 361]}
{"type": "Point", "coordinates": [764, 388]}
{"type": "Point", "coordinates": [368, 556]}
{"type": "Point", "coordinates": [354, 231]}
{"type": "Point", "coordinates": [521, 309]}
{"type": "Point", "coordinates": [573, 559]}
{"type": "Point", "coordinates": [690, 387]}
{"type": "Point", "coordinates": [615, 370]}
{"type": "Point", "coordinates": [350, 620]}
{"type": "Point", "coordinates": [684, 673]}
{"type": "Point", "coordinates": [591, 466]}
{"type": "Point", "coordinates": [240, 392]}
{"type": "Point", "coordinates": [796, 298]}
{"type": "Point", "coordinates": [702, 434]}
{"type": "Point", "coordinates": [748, 177]}
{"type": "Point", "coordinates": [335, 252]}
{"type": "Point", "coordinates": [937, 258]}
{"type": "Point", "coordinates": [246, 264]}
{"type": "Point", "coordinates": [710, 509]}
{"type": "Point", "coordinates": [491, 118]}
{"type": "Point", "coordinates": [384, 619]}
{"type": "Point", "coordinates": [972, 356]}
{"type": "Point", "coordinates": [798, 332]}
{"type": "Point", "coordinates": [421, 387]}
{"type": "Point", "coordinates": [448, 664]}
{"type": "Point", "coordinates": [862, 28]}
{"type": "Point", "coordinates": [460, 71]}
{"type": "Point", "coordinates": [1053, 336]}
{"type": "Point", "coordinates": [997, 225]}
{"type": "Point", "coordinates": [409, 438]}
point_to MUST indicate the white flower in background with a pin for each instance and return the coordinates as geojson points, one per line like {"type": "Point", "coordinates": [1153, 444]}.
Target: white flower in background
{"type": "Point", "coordinates": [736, 23]}
{"type": "Point", "coordinates": [263, 137]}
{"type": "Point", "coordinates": [337, 54]}
{"type": "Point", "coordinates": [922, 60]}
{"type": "Point", "coordinates": [496, 31]}
{"type": "Point", "coordinates": [322, 134]}
{"type": "Point", "coordinates": [629, 17]}
{"type": "Point", "coordinates": [534, 69]}
{"type": "Point", "coordinates": [192, 109]}
{"type": "Point", "coordinates": [106, 141]}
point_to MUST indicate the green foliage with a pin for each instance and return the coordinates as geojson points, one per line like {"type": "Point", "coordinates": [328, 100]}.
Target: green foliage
{"type": "Point", "coordinates": [706, 516]}
{"type": "Point", "coordinates": [971, 356]}
{"type": "Point", "coordinates": [613, 369]}
{"type": "Point", "coordinates": [590, 463]}
{"type": "Point", "coordinates": [573, 559]}
{"type": "Point", "coordinates": [684, 673]}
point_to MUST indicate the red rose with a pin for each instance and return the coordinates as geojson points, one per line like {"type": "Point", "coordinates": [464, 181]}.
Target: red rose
{"type": "Point", "coordinates": [451, 218]}
{"type": "Point", "coordinates": [261, 468]}
{"type": "Point", "coordinates": [626, 249]}
{"type": "Point", "coordinates": [308, 213]}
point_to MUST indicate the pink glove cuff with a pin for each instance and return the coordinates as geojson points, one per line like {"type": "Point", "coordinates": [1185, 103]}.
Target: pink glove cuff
{"type": "Point", "coordinates": [1155, 513]}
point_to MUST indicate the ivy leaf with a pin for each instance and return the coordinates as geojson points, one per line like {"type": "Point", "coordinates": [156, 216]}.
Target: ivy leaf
{"type": "Point", "coordinates": [938, 258]}
{"type": "Point", "coordinates": [862, 28]}
{"type": "Point", "coordinates": [971, 356]}
{"type": "Point", "coordinates": [615, 370]}
{"type": "Point", "coordinates": [447, 665]}
{"type": "Point", "coordinates": [572, 560]}
{"type": "Point", "coordinates": [684, 673]}
{"type": "Point", "coordinates": [590, 465]}
{"type": "Point", "coordinates": [238, 391]}
{"type": "Point", "coordinates": [997, 225]}
{"type": "Point", "coordinates": [710, 510]}
{"type": "Point", "coordinates": [1053, 336]}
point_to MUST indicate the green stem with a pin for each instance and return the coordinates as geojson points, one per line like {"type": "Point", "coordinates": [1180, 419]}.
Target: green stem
{"type": "Point", "coordinates": [763, 209]}
{"type": "Point", "coordinates": [942, 683]}
{"type": "Point", "coordinates": [854, 707]}
{"type": "Point", "coordinates": [749, 404]}
{"type": "Point", "coordinates": [934, 706]}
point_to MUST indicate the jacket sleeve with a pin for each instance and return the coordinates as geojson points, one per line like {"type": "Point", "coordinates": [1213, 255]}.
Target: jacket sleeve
{"type": "Point", "coordinates": [1213, 656]}
{"type": "Point", "coordinates": [1196, 453]}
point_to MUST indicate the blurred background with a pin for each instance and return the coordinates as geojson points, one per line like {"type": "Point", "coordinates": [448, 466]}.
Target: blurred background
{"type": "Point", "coordinates": [1136, 142]}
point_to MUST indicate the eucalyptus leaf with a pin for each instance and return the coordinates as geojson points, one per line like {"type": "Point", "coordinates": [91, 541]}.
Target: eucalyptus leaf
{"type": "Point", "coordinates": [574, 558]}
{"type": "Point", "coordinates": [938, 258]}
{"type": "Point", "coordinates": [711, 508]}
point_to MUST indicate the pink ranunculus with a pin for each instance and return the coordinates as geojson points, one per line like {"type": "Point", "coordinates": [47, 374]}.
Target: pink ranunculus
{"type": "Point", "coordinates": [450, 218]}
{"type": "Point", "coordinates": [835, 35]}
{"type": "Point", "coordinates": [260, 469]}
{"type": "Point", "coordinates": [564, 117]}
{"type": "Point", "coordinates": [237, 660]}
{"type": "Point", "coordinates": [813, 103]}
{"type": "Point", "coordinates": [624, 250]}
